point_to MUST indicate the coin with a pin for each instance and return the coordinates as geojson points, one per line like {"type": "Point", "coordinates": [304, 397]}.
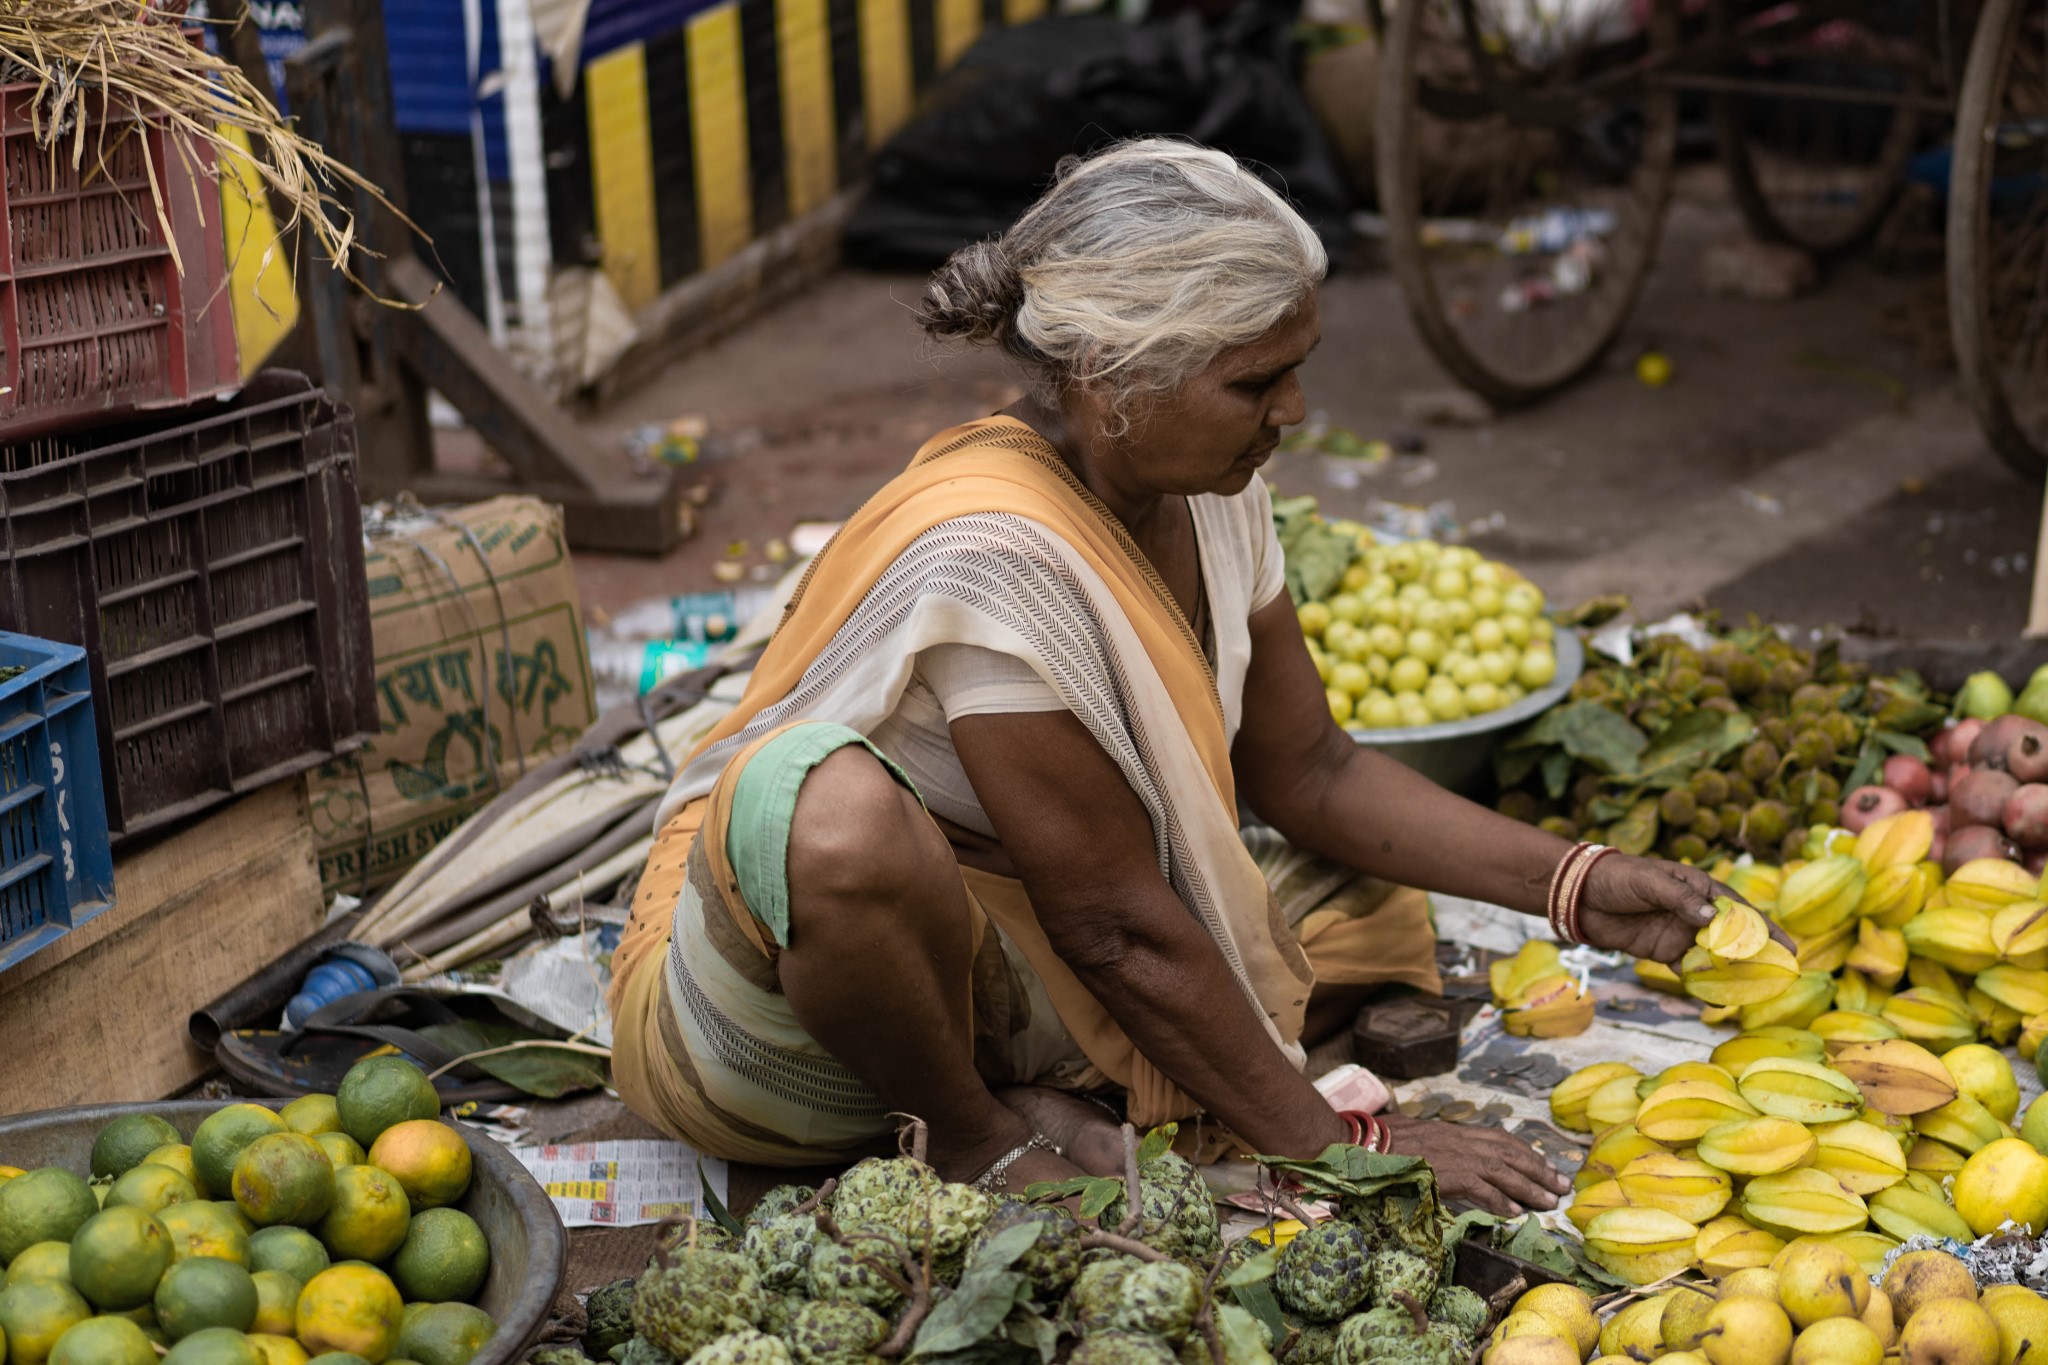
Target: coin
{"type": "Point", "coordinates": [1430, 1105]}
{"type": "Point", "coordinates": [1411, 1108]}
{"type": "Point", "coordinates": [1496, 1111]}
{"type": "Point", "coordinates": [1458, 1111]}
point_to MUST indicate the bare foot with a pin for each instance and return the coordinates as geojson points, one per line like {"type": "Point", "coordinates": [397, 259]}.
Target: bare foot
{"type": "Point", "coordinates": [1087, 1134]}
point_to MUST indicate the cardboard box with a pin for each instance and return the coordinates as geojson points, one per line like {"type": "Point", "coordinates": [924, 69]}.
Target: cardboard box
{"type": "Point", "coordinates": [99, 1016]}
{"type": "Point", "coordinates": [481, 669]}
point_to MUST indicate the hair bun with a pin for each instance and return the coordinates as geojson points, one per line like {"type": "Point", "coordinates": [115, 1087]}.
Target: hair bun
{"type": "Point", "coordinates": [974, 296]}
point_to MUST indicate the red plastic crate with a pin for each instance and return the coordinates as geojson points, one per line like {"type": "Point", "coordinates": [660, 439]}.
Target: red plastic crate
{"type": "Point", "coordinates": [96, 318]}
{"type": "Point", "coordinates": [212, 568]}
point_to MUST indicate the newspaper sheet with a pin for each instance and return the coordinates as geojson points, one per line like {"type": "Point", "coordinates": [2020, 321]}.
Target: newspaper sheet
{"type": "Point", "coordinates": [624, 1183]}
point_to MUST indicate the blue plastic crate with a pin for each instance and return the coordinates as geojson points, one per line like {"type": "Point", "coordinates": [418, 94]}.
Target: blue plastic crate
{"type": "Point", "coordinates": [56, 860]}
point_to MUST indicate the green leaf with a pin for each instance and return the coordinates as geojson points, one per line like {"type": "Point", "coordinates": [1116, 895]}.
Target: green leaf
{"type": "Point", "coordinates": [719, 1213]}
{"type": "Point", "coordinates": [1254, 1269]}
{"type": "Point", "coordinates": [1902, 744]}
{"type": "Point", "coordinates": [1609, 807]}
{"type": "Point", "coordinates": [1316, 556]}
{"type": "Point", "coordinates": [1343, 1169]}
{"type": "Point", "coordinates": [1691, 742]}
{"type": "Point", "coordinates": [1869, 761]}
{"type": "Point", "coordinates": [1242, 1339]}
{"type": "Point", "coordinates": [549, 1072]}
{"type": "Point", "coordinates": [972, 1313]}
{"type": "Point", "coordinates": [1001, 1251]}
{"type": "Point", "coordinates": [1157, 1143]}
{"type": "Point", "coordinates": [1637, 830]}
{"type": "Point", "coordinates": [1557, 773]}
{"type": "Point", "coordinates": [1097, 1192]}
{"type": "Point", "coordinates": [1035, 1333]}
{"type": "Point", "coordinates": [1258, 1300]}
{"type": "Point", "coordinates": [1589, 732]}
{"type": "Point", "coordinates": [1511, 767]}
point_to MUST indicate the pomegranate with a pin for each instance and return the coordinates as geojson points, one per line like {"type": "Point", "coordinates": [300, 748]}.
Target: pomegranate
{"type": "Point", "coordinates": [2000, 739]}
{"type": "Point", "coordinates": [1910, 778]}
{"type": "Point", "coordinates": [1978, 841]}
{"type": "Point", "coordinates": [1978, 797]}
{"type": "Point", "coordinates": [2036, 862]}
{"type": "Point", "coordinates": [1866, 805]}
{"type": "Point", "coordinates": [1941, 818]}
{"type": "Point", "coordinates": [2027, 757]}
{"type": "Point", "coordinates": [1952, 745]}
{"type": "Point", "coordinates": [1937, 789]}
{"type": "Point", "coordinates": [2025, 816]}
{"type": "Point", "coordinates": [1938, 850]}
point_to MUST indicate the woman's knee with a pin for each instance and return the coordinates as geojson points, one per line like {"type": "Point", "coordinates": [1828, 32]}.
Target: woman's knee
{"type": "Point", "coordinates": [858, 834]}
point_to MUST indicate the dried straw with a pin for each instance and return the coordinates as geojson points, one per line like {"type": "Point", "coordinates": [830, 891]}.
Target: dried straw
{"type": "Point", "coordinates": [79, 52]}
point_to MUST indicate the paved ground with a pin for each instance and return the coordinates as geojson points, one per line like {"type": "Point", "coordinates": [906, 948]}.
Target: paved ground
{"type": "Point", "coordinates": [1806, 463]}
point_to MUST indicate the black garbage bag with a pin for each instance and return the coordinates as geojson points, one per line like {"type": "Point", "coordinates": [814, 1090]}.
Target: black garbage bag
{"type": "Point", "coordinates": [989, 134]}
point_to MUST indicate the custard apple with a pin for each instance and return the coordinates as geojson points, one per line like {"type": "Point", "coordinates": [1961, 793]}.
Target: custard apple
{"type": "Point", "coordinates": [710, 1237]}
{"type": "Point", "coordinates": [742, 1348]}
{"type": "Point", "coordinates": [1253, 1346]}
{"type": "Point", "coordinates": [1460, 1309]}
{"type": "Point", "coordinates": [641, 1351]}
{"type": "Point", "coordinates": [609, 1316]}
{"type": "Point", "coordinates": [1394, 1269]}
{"type": "Point", "coordinates": [779, 1201]}
{"type": "Point", "coordinates": [558, 1355]}
{"type": "Point", "coordinates": [700, 1296]}
{"type": "Point", "coordinates": [1323, 1272]}
{"type": "Point", "coordinates": [1315, 1343]}
{"type": "Point", "coordinates": [1396, 1334]}
{"type": "Point", "coordinates": [835, 1333]}
{"type": "Point", "coordinates": [849, 1272]}
{"type": "Point", "coordinates": [1158, 1298]}
{"type": "Point", "coordinates": [779, 1311]}
{"type": "Point", "coordinates": [880, 1193]}
{"type": "Point", "coordinates": [1455, 1345]}
{"type": "Point", "coordinates": [1397, 1215]}
{"type": "Point", "coordinates": [780, 1248]}
{"type": "Point", "coordinates": [952, 1216]}
{"type": "Point", "coordinates": [1092, 1304]}
{"type": "Point", "coordinates": [1051, 1262]}
{"type": "Point", "coordinates": [1122, 1348]}
{"type": "Point", "coordinates": [1178, 1216]}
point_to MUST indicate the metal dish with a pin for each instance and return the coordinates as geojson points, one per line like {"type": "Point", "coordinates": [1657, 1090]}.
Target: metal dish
{"type": "Point", "coordinates": [1457, 754]}
{"type": "Point", "coordinates": [529, 1249]}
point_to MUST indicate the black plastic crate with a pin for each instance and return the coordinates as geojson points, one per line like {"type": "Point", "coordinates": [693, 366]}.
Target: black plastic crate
{"type": "Point", "coordinates": [212, 567]}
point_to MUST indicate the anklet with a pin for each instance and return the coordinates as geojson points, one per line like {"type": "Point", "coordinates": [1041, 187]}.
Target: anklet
{"type": "Point", "coordinates": [989, 1179]}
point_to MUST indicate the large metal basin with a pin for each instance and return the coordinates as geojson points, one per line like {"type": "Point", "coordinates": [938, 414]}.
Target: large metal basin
{"type": "Point", "coordinates": [529, 1249]}
{"type": "Point", "coordinates": [1458, 754]}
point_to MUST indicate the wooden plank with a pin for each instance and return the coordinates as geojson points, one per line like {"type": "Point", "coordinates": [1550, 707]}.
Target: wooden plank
{"type": "Point", "coordinates": [101, 1016]}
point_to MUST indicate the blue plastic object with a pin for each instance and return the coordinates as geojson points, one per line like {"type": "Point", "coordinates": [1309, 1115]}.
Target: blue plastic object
{"type": "Point", "coordinates": [56, 859]}
{"type": "Point", "coordinates": [348, 969]}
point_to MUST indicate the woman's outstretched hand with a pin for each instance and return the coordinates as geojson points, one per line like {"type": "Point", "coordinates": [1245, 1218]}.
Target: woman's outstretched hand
{"type": "Point", "coordinates": [1650, 908]}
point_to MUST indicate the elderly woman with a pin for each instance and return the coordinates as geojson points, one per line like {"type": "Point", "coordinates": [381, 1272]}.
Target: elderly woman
{"type": "Point", "coordinates": [970, 846]}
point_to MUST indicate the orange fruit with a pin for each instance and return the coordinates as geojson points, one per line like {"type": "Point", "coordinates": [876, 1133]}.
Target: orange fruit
{"type": "Point", "coordinates": [370, 1215]}
{"type": "Point", "coordinates": [429, 1158]}
{"type": "Point", "coordinates": [350, 1308]}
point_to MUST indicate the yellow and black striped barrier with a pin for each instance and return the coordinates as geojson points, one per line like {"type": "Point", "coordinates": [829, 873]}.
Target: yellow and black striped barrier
{"type": "Point", "coordinates": [680, 147]}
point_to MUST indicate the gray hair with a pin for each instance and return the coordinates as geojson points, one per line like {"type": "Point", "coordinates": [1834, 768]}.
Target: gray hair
{"type": "Point", "coordinates": [1134, 271]}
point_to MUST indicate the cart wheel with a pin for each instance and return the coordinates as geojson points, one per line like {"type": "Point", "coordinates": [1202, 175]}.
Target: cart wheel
{"type": "Point", "coordinates": [1998, 232]}
{"type": "Point", "coordinates": [1816, 172]}
{"type": "Point", "coordinates": [1523, 168]}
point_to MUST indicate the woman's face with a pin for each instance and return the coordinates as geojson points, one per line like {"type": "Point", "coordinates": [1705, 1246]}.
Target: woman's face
{"type": "Point", "coordinates": [1215, 431]}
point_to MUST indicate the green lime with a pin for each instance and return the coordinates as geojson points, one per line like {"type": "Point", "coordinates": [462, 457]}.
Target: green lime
{"type": "Point", "coordinates": [34, 1313]}
{"type": "Point", "coordinates": [104, 1341]}
{"type": "Point", "coordinates": [122, 1144]}
{"type": "Point", "coordinates": [118, 1257]}
{"type": "Point", "coordinates": [219, 1142]}
{"type": "Point", "coordinates": [284, 1178]}
{"type": "Point", "coordinates": [205, 1228]}
{"type": "Point", "coordinates": [43, 1261]}
{"type": "Point", "coordinates": [446, 1334]}
{"type": "Point", "coordinates": [342, 1150]}
{"type": "Point", "coordinates": [46, 1205]}
{"type": "Point", "coordinates": [178, 1156]}
{"type": "Point", "coordinates": [214, 1346]}
{"type": "Point", "coordinates": [381, 1092]}
{"type": "Point", "coordinates": [205, 1292]}
{"type": "Point", "coordinates": [444, 1257]}
{"type": "Point", "coordinates": [369, 1217]}
{"type": "Point", "coordinates": [312, 1115]}
{"type": "Point", "coordinates": [277, 1300]}
{"type": "Point", "coordinates": [145, 1318]}
{"type": "Point", "coordinates": [292, 1251]}
{"type": "Point", "coordinates": [149, 1187]}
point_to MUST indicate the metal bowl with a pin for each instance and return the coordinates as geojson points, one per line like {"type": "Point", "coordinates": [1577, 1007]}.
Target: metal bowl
{"type": "Point", "coordinates": [529, 1249]}
{"type": "Point", "coordinates": [1456, 754]}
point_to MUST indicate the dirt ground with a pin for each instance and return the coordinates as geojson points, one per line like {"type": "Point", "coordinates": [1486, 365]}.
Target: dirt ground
{"type": "Point", "coordinates": [1806, 462]}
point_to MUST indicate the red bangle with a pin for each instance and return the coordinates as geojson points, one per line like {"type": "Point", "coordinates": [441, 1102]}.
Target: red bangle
{"type": "Point", "coordinates": [1568, 889]}
{"type": "Point", "coordinates": [1366, 1129]}
{"type": "Point", "coordinates": [1592, 860]}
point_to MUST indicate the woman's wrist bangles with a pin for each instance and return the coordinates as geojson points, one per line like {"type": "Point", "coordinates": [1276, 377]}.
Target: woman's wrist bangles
{"type": "Point", "coordinates": [1568, 889]}
{"type": "Point", "coordinates": [1367, 1130]}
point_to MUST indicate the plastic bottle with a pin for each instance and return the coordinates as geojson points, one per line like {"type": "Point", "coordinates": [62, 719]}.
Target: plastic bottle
{"type": "Point", "coordinates": [636, 667]}
{"type": "Point", "coordinates": [700, 616]}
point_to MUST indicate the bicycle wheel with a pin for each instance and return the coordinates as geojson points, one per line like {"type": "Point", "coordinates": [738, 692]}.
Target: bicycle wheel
{"type": "Point", "coordinates": [1998, 232]}
{"type": "Point", "coordinates": [1523, 161]}
{"type": "Point", "coordinates": [1816, 143]}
